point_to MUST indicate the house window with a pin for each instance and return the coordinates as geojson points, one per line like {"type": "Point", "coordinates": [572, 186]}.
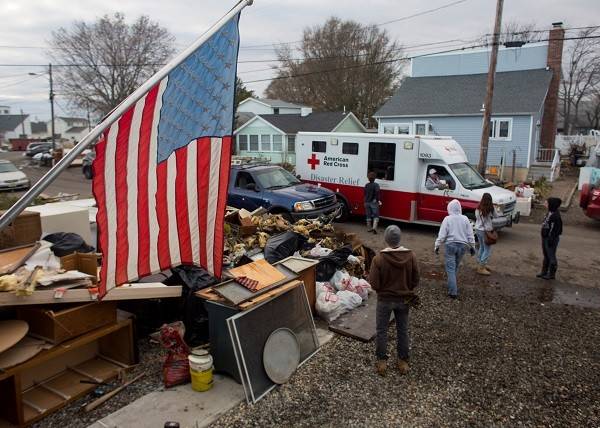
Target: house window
{"type": "Point", "coordinates": [277, 146]}
{"type": "Point", "coordinates": [501, 129]}
{"type": "Point", "coordinates": [350, 148]}
{"type": "Point", "coordinates": [254, 143]}
{"type": "Point", "coordinates": [265, 143]}
{"type": "Point", "coordinates": [403, 128]}
{"type": "Point", "coordinates": [242, 143]}
{"type": "Point", "coordinates": [291, 143]}
{"type": "Point", "coordinates": [275, 110]}
{"type": "Point", "coordinates": [421, 127]}
{"type": "Point", "coordinates": [396, 128]}
{"type": "Point", "coordinates": [319, 146]}
{"type": "Point", "coordinates": [388, 129]}
{"type": "Point", "coordinates": [382, 160]}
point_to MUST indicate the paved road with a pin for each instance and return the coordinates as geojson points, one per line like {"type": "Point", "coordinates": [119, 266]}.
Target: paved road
{"type": "Point", "coordinates": [70, 181]}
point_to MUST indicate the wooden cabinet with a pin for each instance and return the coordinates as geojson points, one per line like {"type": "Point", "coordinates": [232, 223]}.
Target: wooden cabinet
{"type": "Point", "coordinates": [51, 379]}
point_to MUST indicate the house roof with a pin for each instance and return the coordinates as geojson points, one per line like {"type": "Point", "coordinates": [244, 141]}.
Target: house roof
{"type": "Point", "coordinates": [71, 120]}
{"type": "Point", "coordinates": [323, 121]}
{"type": "Point", "coordinates": [75, 129]}
{"type": "Point", "coordinates": [279, 103]}
{"type": "Point", "coordinates": [38, 127]}
{"type": "Point", "coordinates": [514, 92]}
{"type": "Point", "coordinates": [9, 122]}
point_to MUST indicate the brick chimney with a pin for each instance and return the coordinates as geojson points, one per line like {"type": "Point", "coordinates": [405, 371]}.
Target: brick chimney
{"type": "Point", "coordinates": [554, 63]}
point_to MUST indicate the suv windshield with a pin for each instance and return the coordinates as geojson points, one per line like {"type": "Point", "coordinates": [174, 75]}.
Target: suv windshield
{"type": "Point", "coordinates": [469, 177]}
{"type": "Point", "coordinates": [8, 167]}
{"type": "Point", "coordinates": [275, 178]}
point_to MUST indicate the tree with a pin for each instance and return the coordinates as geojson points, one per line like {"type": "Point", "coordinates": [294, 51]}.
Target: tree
{"type": "Point", "coordinates": [514, 31]}
{"type": "Point", "coordinates": [108, 59]}
{"type": "Point", "coordinates": [339, 65]}
{"type": "Point", "coordinates": [241, 92]}
{"type": "Point", "coordinates": [580, 76]}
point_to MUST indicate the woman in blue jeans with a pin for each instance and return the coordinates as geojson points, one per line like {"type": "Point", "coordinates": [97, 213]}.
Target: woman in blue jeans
{"type": "Point", "coordinates": [457, 236]}
{"type": "Point", "coordinates": [484, 216]}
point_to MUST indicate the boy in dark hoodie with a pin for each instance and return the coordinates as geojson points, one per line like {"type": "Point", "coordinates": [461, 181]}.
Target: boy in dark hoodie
{"type": "Point", "coordinates": [551, 231]}
{"type": "Point", "coordinates": [393, 275]}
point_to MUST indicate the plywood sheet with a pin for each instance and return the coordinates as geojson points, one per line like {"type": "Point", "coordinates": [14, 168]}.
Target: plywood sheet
{"type": "Point", "coordinates": [27, 348]}
{"type": "Point", "coordinates": [260, 271]}
{"type": "Point", "coordinates": [360, 323]}
{"type": "Point", "coordinates": [11, 260]}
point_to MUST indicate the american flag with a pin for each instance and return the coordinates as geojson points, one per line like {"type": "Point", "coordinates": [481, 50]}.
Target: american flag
{"type": "Point", "coordinates": [161, 170]}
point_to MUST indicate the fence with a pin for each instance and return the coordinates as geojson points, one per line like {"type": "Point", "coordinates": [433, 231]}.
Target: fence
{"type": "Point", "coordinates": [564, 142]}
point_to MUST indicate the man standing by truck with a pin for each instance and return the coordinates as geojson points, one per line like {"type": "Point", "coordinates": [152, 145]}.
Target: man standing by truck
{"type": "Point", "coordinates": [372, 202]}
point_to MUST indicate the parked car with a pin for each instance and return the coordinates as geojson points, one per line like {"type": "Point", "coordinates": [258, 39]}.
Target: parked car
{"type": "Point", "coordinates": [270, 186]}
{"type": "Point", "coordinates": [11, 178]}
{"type": "Point", "coordinates": [35, 148]}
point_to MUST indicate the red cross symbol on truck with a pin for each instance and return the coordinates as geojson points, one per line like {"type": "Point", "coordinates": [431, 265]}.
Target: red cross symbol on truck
{"type": "Point", "coordinates": [313, 161]}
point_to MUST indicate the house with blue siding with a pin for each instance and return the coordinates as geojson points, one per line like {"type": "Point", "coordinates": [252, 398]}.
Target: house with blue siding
{"type": "Point", "coordinates": [445, 93]}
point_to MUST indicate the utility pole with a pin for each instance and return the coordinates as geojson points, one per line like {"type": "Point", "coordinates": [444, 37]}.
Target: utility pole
{"type": "Point", "coordinates": [23, 126]}
{"type": "Point", "coordinates": [51, 108]}
{"type": "Point", "coordinates": [487, 106]}
{"type": "Point", "coordinates": [88, 116]}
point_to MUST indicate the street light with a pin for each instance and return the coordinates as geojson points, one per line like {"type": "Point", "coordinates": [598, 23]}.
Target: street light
{"type": "Point", "coordinates": [51, 96]}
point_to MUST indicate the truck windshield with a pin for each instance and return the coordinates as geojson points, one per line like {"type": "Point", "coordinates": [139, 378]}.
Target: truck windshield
{"type": "Point", "coordinates": [275, 178]}
{"type": "Point", "coordinates": [469, 177]}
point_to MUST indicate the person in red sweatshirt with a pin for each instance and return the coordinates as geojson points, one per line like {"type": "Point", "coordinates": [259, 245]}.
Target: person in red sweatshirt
{"type": "Point", "coordinates": [394, 274]}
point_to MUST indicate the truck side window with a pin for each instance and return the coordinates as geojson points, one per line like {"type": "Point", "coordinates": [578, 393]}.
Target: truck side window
{"type": "Point", "coordinates": [441, 173]}
{"type": "Point", "coordinates": [350, 148]}
{"type": "Point", "coordinates": [382, 160]}
{"type": "Point", "coordinates": [243, 179]}
{"type": "Point", "coordinates": [319, 146]}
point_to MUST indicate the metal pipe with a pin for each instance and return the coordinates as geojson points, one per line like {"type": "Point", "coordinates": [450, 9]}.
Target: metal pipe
{"type": "Point", "coordinates": [51, 110]}
{"type": "Point", "coordinates": [62, 164]}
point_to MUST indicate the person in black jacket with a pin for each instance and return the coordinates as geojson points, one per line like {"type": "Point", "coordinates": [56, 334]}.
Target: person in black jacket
{"type": "Point", "coordinates": [551, 231]}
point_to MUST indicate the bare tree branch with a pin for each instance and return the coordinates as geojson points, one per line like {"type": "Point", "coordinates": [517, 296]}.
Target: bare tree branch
{"type": "Point", "coordinates": [107, 59]}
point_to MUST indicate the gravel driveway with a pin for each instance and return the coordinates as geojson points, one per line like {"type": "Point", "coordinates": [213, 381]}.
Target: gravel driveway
{"type": "Point", "coordinates": [488, 359]}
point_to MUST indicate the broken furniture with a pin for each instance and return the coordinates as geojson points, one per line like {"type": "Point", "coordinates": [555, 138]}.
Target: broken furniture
{"type": "Point", "coordinates": [25, 229]}
{"type": "Point", "coordinates": [306, 271]}
{"type": "Point", "coordinates": [11, 331]}
{"type": "Point", "coordinates": [51, 379]}
{"type": "Point", "coordinates": [238, 333]}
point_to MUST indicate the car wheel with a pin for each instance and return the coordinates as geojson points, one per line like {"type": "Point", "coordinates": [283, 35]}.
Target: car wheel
{"type": "Point", "coordinates": [287, 217]}
{"type": "Point", "coordinates": [345, 215]}
{"type": "Point", "coordinates": [87, 172]}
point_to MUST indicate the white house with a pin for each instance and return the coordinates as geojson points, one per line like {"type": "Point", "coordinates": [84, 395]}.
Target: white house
{"type": "Point", "coordinates": [69, 128]}
{"type": "Point", "coordinates": [268, 106]}
{"type": "Point", "coordinates": [13, 125]}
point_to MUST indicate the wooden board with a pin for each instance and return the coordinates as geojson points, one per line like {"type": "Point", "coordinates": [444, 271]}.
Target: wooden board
{"type": "Point", "coordinates": [359, 323]}
{"type": "Point", "coordinates": [27, 348]}
{"type": "Point", "coordinates": [11, 331]}
{"type": "Point", "coordinates": [123, 292]}
{"type": "Point", "coordinates": [11, 260]}
{"type": "Point", "coordinates": [268, 295]}
{"type": "Point", "coordinates": [260, 271]}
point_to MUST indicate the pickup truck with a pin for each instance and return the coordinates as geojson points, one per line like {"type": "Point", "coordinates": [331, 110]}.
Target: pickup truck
{"type": "Point", "coordinates": [277, 190]}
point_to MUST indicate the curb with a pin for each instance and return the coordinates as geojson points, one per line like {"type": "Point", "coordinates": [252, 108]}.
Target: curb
{"type": "Point", "coordinates": [565, 206]}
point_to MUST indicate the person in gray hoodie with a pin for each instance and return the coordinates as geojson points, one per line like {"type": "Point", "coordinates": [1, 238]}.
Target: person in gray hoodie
{"type": "Point", "coordinates": [456, 233]}
{"type": "Point", "coordinates": [394, 274]}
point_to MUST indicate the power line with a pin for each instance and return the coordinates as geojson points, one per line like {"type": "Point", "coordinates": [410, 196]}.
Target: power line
{"type": "Point", "coordinates": [425, 12]}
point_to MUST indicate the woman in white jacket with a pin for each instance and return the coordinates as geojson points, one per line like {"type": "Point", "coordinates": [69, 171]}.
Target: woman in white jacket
{"type": "Point", "coordinates": [456, 233]}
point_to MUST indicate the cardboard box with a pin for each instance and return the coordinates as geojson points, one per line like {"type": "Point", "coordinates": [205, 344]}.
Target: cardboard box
{"type": "Point", "coordinates": [57, 323]}
{"type": "Point", "coordinates": [24, 230]}
{"type": "Point", "coordinates": [82, 262]}
{"type": "Point", "coordinates": [241, 223]}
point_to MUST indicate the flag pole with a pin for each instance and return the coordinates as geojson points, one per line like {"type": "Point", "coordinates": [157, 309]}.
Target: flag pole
{"type": "Point", "coordinates": [61, 165]}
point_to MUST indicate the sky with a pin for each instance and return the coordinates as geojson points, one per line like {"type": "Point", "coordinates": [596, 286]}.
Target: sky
{"type": "Point", "coordinates": [27, 26]}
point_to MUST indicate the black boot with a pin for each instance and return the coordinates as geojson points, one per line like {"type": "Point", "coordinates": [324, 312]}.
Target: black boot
{"type": "Point", "coordinates": [551, 272]}
{"type": "Point", "coordinates": [544, 271]}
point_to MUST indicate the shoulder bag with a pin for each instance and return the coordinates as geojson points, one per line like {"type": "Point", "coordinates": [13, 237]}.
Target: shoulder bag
{"type": "Point", "coordinates": [491, 236]}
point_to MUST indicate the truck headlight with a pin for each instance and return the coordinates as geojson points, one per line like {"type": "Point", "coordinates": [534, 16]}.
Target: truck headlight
{"type": "Point", "coordinates": [303, 206]}
{"type": "Point", "coordinates": [499, 209]}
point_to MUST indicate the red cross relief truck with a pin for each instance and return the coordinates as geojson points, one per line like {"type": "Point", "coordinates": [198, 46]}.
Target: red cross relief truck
{"type": "Point", "coordinates": [341, 161]}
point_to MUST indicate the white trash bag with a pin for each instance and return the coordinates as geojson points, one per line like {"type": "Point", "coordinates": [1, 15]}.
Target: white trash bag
{"type": "Point", "coordinates": [349, 300]}
{"type": "Point", "coordinates": [340, 280]}
{"type": "Point", "coordinates": [318, 251]}
{"type": "Point", "coordinates": [328, 306]}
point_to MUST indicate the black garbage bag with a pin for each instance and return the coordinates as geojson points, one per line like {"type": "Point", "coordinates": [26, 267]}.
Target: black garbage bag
{"type": "Point", "coordinates": [194, 315]}
{"type": "Point", "coordinates": [334, 261]}
{"type": "Point", "coordinates": [283, 245]}
{"type": "Point", "coordinates": [67, 243]}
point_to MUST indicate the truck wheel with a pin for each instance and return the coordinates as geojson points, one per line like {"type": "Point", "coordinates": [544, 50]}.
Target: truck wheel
{"type": "Point", "coordinates": [584, 198]}
{"type": "Point", "coordinates": [345, 215]}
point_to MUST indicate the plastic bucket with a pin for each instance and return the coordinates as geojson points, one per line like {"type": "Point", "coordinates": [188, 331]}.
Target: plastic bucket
{"type": "Point", "coordinates": [201, 371]}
